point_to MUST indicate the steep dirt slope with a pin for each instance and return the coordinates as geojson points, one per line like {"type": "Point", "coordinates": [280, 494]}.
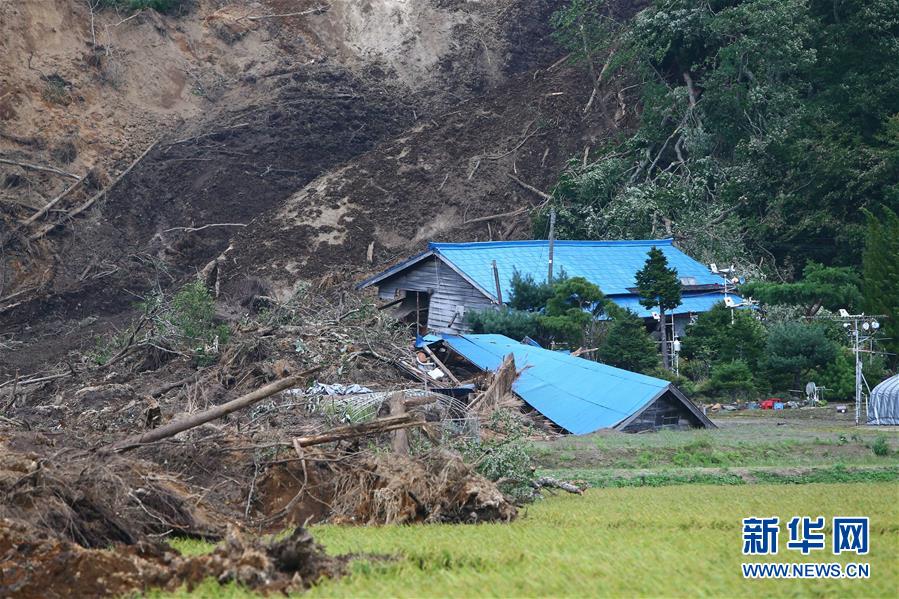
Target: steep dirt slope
{"type": "Point", "coordinates": [442, 179]}
{"type": "Point", "coordinates": [273, 103]}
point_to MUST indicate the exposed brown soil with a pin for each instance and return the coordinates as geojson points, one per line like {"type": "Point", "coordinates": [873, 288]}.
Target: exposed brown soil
{"type": "Point", "coordinates": [431, 182]}
{"type": "Point", "coordinates": [33, 564]}
{"type": "Point", "coordinates": [294, 99]}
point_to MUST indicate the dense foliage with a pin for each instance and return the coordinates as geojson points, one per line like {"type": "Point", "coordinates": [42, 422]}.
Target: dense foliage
{"type": "Point", "coordinates": [765, 127]}
{"type": "Point", "coordinates": [721, 336]}
{"type": "Point", "coordinates": [558, 315]}
{"type": "Point", "coordinates": [820, 287]}
{"type": "Point", "coordinates": [881, 275]}
{"type": "Point", "coordinates": [627, 345]}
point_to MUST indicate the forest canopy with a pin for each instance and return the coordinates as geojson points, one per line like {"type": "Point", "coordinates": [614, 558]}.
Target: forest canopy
{"type": "Point", "coordinates": [766, 127]}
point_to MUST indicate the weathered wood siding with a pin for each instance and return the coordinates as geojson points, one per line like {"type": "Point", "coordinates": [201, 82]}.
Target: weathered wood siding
{"type": "Point", "coordinates": [666, 412]}
{"type": "Point", "coordinates": [448, 290]}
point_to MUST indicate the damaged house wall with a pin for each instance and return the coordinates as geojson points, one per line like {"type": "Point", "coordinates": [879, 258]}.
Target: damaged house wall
{"type": "Point", "coordinates": [449, 295]}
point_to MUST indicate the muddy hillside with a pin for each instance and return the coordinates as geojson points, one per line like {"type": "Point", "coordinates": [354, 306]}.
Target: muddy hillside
{"type": "Point", "coordinates": [282, 139]}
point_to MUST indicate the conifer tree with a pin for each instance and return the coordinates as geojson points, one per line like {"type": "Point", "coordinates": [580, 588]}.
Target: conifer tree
{"type": "Point", "coordinates": [627, 345]}
{"type": "Point", "coordinates": [659, 287]}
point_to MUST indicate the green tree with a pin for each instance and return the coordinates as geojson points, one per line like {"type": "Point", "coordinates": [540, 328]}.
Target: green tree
{"type": "Point", "coordinates": [820, 287]}
{"type": "Point", "coordinates": [881, 275]}
{"type": "Point", "coordinates": [734, 378]}
{"type": "Point", "coordinates": [569, 309]}
{"type": "Point", "coordinates": [627, 345]}
{"type": "Point", "coordinates": [838, 377]}
{"type": "Point", "coordinates": [659, 287]}
{"type": "Point", "coordinates": [722, 335]}
{"type": "Point", "coordinates": [764, 126]}
{"type": "Point", "coordinates": [530, 295]}
{"type": "Point", "coordinates": [794, 350]}
{"type": "Point", "coordinates": [515, 324]}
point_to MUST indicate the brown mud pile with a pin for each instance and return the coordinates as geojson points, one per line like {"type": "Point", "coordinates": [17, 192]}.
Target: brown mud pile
{"type": "Point", "coordinates": [33, 564]}
{"type": "Point", "coordinates": [455, 177]}
{"type": "Point", "coordinates": [97, 500]}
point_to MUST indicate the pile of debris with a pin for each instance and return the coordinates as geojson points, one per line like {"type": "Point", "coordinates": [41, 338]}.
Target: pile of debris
{"type": "Point", "coordinates": [34, 564]}
{"type": "Point", "coordinates": [364, 488]}
{"type": "Point", "coordinates": [133, 451]}
{"type": "Point", "coordinates": [98, 500]}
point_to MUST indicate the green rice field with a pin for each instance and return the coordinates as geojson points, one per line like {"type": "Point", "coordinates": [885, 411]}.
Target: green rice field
{"type": "Point", "coordinates": [666, 541]}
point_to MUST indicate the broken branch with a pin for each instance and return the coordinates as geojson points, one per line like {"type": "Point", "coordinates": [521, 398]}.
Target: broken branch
{"type": "Point", "coordinates": [192, 229]}
{"type": "Point", "coordinates": [531, 188]}
{"type": "Point", "coordinates": [173, 428]}
{"type": "Point", "coordinates": [381, 425]}
{"type": "Point", "coordinates": [54, 202]}
{"type": "Point", "coordinates": [44, 230]}
{"type": "Point", "coordinates": [40, 167]}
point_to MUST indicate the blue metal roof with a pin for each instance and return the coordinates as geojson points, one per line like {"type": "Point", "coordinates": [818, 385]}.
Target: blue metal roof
{"type": "Point", "coordinates": [577, 394]}
{"type": "Point", "coordinates": [690, 302]}
{"type": "Point", "coordinates": [611, 265]}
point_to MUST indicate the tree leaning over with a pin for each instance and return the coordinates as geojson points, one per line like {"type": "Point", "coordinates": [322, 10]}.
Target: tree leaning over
{"type": "Point", "coordinates": [659, 287]}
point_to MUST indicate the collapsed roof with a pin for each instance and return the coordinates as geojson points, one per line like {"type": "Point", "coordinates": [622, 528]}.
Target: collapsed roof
{"type": "Point", "coordinates": [579, 395]}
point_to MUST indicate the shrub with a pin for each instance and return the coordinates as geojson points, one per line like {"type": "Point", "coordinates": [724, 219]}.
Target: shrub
{"type": "Point", "coordinates": [505, 459]}
{"type": "Point", "coordinates": [186, 323]}
{"type": "Point", "coordinates": [880, 447]}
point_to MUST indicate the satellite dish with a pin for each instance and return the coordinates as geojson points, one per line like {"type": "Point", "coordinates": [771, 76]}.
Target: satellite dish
{"type": "Point", "coordinates": [844, 313]}
{"type": "Point", "coordinates": [714, 267]}
{"type": "Point", "coordinates": [729, 302]}
{"type": "Point", "coordinates": [656, 316]}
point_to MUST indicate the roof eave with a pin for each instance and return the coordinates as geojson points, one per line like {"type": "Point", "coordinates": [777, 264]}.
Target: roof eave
{"type": "Point", "coordinates": [458, 271]}
{"type": "Point", "coordinates": [395, 269]}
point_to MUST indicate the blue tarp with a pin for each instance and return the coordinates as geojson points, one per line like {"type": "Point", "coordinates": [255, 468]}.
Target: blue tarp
{"type": "Point", "coordinates": [579, 395]}
{"type": "Point", "coordinates": [610, 265]}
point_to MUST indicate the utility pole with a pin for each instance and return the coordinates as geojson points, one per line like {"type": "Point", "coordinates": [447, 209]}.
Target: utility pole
{"type": "Point", "coordinates": [499, 291]}
{"type": "Point", "coordinates": [665, 360]}
{"type": "Point", "coordinates": [552, 240]}
{"type": "Point", "coordinates": [856, 346]}
{"type": "Point", "coordinates": [861, 329]}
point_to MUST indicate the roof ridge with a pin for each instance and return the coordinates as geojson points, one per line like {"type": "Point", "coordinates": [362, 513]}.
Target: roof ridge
{"type": "Point", "coordinates": [435, 245]}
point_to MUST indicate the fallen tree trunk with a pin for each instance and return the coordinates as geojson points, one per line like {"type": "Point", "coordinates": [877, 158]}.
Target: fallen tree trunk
{"type": "Point", "coordinates": [381, 425]}
{"type": "Point", "coordinates": [553, 483]}
{"type": "Point", "coordinates": [173, 428]}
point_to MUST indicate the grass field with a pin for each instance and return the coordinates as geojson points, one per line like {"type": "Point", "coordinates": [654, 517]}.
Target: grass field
{"type": "Point", "coordinates": [673, 541]}
{"type": "Point", "coordinates": [662, 519]}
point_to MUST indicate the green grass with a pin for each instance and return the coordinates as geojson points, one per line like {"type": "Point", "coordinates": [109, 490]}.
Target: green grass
{"type": "Point", "coordinates": [598, 478]}
{"type": "Point", "coordinates": [736, 444]}
{"type": "Point", "coordinates": [672, 541]}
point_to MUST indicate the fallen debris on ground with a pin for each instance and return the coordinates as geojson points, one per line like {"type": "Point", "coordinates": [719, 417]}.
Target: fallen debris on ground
{"type": "Point", "coordinates": [34, 564]}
